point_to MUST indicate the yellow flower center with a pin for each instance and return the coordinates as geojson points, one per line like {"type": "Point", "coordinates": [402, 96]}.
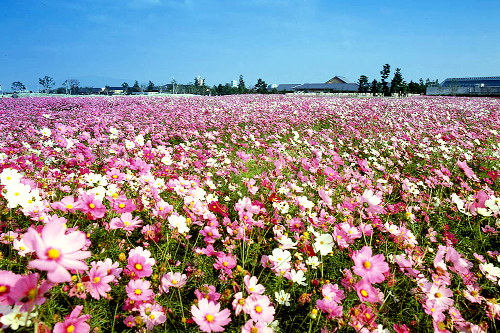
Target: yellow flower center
{"type": "Point", "coordinates": [97, 279]}
{"type": "Point", "coordinates": [224, 264]}
{"type": "Point", "coordinates": [115, 176]}
{"type": "Point", "coordinates": [138, 267]}
{"type": "Point", "coordinates": [174, 281]}
{"type": "Point", "coordinates": [364, 293]}
{"type": "Point", "coordinates": [70, 328]}
{"type": "Point", "coordinates": [138, 291]}
{"type": "Point", "coordinates": [127, 223]}
{"type": "Point", "coordinates": [53, 254]}
{"type": "Point", "coordinates": [69, 206]}
{"type": "Point", "coordinates": [254, 330]}
{"type": "Point", "coordinates": [121, 205]}
{"type": "Point", "coordinates": [32, 294]}
{"type": "Point", "coordinates": [367, 264]}
{"type": "Point", "coordinates": [92, 206]}
{"type": "Point", "coordinates": [437, 295]}
{"type": "Point", "coordinates": [209, 318]}
{"type": "Point", "coordinates": [258, 309]}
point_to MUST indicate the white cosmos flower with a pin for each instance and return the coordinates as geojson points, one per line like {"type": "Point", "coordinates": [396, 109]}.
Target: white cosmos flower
{"type": "Point", "coordinates": [282, 298]}
{"type": "Point", "coordinates": [281, 259]}
{"type": "Point", "coordinates": [46, 131]}
{"type": "Point", "coordinates": [298, 277]}
{"type": "Point", "coordinates": [178, 222]}
{"type": "Point", "coordinates": [324, 244]}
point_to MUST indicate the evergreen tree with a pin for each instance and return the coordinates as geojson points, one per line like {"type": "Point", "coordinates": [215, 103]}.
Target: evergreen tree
{"type": "Point", "coordinates": [261, 86]}
{"type": "Point", "coordinates": [363, 84]}
{"type": "Point", "coordinates": [386, 70]}
{"type": "Point", "coordinates": [397, 82]}
{"type": "Point", "coordinates": [241, 86]}
{"type": "Point", "coordinates": [375, 87]}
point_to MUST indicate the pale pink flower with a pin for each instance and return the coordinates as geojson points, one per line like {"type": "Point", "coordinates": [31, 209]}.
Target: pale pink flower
{"type": "Point", "coordinates": [138, 290]}
{"type": "Point", "coordinates": [208, 316]}
{"type": "Point", "coordinates": [57, 252]}
{"type": "Point", "coordinates": [259, 326]}
{"type": "Point", "coordinates": [99, 280]}
{"type": "Point", "coordinates": [261, 308]}
{"type": "Point", "coordinates": [251, 285]}
{"type": "Point", "coordinates": [176, 280]}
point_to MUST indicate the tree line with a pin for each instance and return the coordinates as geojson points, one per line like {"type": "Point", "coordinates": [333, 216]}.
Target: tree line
{"type": "Point", "coordinates": [397, 85]}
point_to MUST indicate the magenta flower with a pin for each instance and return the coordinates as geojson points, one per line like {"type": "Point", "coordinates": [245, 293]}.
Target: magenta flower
{"type": "Point", "coordinates": [225, 262]}
{"type": "Point", "coordinates": [366, 292]}
{"type": "Point", "coordinates": [87, 203]}
{"type": "Point", "coordinates": [57, 252]}
{"type": "Point", "coordinates": [74, 323]}
{"type": "Point", "coordinates": [138, 290]}
{"type": "Point", "coordinates": [332, 308]}
{"type": "Point", "coordinates": [370, 268]}
{"type": "Point", "coordinates": [139, 267]}
{"type": "Point", "coordinates": [99, 280]}
{"type": "Point", "coordinates": [27, 293]}
{"type": "Point", "coordinates": [208, 316]}
{"type": "Point", "coordinates": [7, 281]}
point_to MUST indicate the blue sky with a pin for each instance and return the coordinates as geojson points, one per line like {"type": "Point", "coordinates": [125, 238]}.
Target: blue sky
{"type": "Point", "coordinates": [280, 41]}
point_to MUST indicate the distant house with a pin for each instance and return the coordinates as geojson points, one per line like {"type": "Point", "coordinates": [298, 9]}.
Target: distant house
{"type": "Point", "coordinates": [336, 84]}
{"type": "Point", "coordinates": [471, 86]}
{"type": "Point", "coordinates": [287, 87]}
{"type": "Point", "coordinates": [338, 79]}
{"type": "Point", "coordinates": [327, 87]}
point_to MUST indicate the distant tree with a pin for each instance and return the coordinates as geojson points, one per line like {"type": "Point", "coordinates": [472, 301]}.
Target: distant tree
{"type": "Point", "coordinates": [71, 85]}
{"type": "Point", "coordinates": [174, 83]}
{"type": "Point", "coordinates": [136, 87]}
{"type": "Point", "coordinates": [242, 89]}
{"type": "Point", "coordinates": [363, 84]}
{"type": "Point", "coordinates": [46, 82]}
{"type": "Point", "coordinates": [18, 86]}
{"type": "Point", "coordinates": [397, 85]}
{"type": "Point", "coordinates": [384, 73]}
{"type": "Point", "coordinates": [261, 86]}
{"type": "Point", "coordinates": [151, 86]}
{"type": "Point", "coordinates": [126, 88]}
{"type": "Point", "coordinates": [106, 90]}
{"type": "Point", "coordinates": [375, 87]}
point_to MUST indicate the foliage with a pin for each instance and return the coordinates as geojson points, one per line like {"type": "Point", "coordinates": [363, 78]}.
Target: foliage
{"type": "Point", "coordinates": [18, 86]}
{"type": "Point", "coordinates": [46, 82]}
{"type": "Point", "coordinates": [384, 73]}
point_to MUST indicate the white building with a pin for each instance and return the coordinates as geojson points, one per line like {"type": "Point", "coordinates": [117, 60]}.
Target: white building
{"type": "Point", "coordinates": [234, 84]}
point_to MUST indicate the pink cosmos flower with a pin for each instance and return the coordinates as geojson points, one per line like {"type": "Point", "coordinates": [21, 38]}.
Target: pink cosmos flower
{"type": "Point", "coordinates": [152, 314]}
{"type": "Point", "coordinates": [370, 268]}
{"type": "Point", "coordinates": [225, 262]}
{"type": "Point", "coordinates": [139, 267]}
{"type": "Point", "coordinates": [74, 323]}
{"type": "Point", "coordinates": [138, 290]}
{"type": "Point", "coordinates": [372, 202]}
{"type": "Point", "coordinates": [252, 327]}
{"type": "Point", "coordinates": [7, 281]}
{"type": "Point", "coordinates": [366, 292]}
{"type": "Point", "coordinates": [331, 307]}
{"type": "Point", "coordinates": [99, 280]}
{"type": "Point", "coordinates": [208, 316]}
{"type": "Point", "coordinates": [207, 292]}
{"type": "Point", "coordinates": [67, 204]}
{"type": "Point", "coordinates": [27, 293]}
{"type": "Point", "coordinates": [251, 285]}
{"type": "Point", "coordinates": [239, 304]}
{"type": "Point", "coordinates": [121, 204]}
{"type": "Point", "coordinates": [56, 251]}
{"type": "Point", "coordinates": [442, 295]}
{"type": "Point", "coordinates": [176, 280]}
{"type": "Point", "coordinates": [261, 308]}
{"type": "Point", "coordinates": [87, 203]}
{"type": "Point", "coordinates": [126, 222]}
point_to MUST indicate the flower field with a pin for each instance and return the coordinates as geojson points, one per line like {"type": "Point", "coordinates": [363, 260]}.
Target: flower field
{"type": "Point", "coordinates": [249, 214]}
